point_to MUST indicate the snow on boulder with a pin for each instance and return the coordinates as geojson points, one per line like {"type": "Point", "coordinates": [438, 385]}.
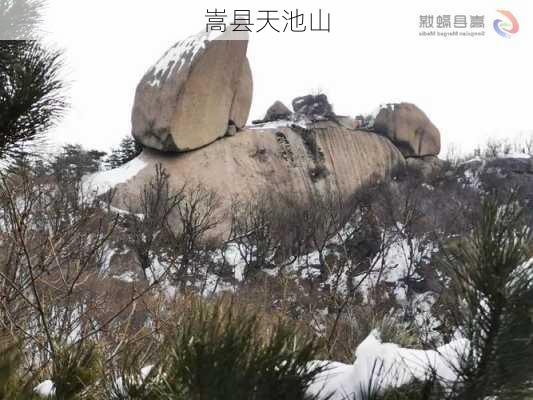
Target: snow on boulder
{"type": "Point", "coordinates": [379, 366]}
{"type": "Point", "coordinates": [200, 87]}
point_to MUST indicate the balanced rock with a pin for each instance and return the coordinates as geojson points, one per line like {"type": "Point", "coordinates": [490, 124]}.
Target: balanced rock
{"type": "Point", "coordinates": [194, 92]}
{"type": "Point", "coordinates": [276, 112]}
{"type": "Point", "coordinates": [409, 128]}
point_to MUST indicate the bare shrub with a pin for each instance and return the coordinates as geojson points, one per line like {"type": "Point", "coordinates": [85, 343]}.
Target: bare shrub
{"type": "Point", "coordinates": [192, 233]}
{"type": "Point", "coordinates": [147, 220]}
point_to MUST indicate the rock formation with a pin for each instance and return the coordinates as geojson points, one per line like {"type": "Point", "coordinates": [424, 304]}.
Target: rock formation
{"type": "Point", "coordinates": [286, 160]}
{"type": "Point", "coordinates": [408, 128]}
{"type": "Point", "coordinates": [201, 91]}
{"type": "Point", "coordinates": [194, 92]}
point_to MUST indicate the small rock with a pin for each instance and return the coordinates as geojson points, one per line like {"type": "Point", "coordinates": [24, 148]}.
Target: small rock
{"type": "Point", "coordinates": [276, 112]}
{"type": "Point", "coordinates": [232, 130]}
{"type": "Point", "coordinates": [426, 166]}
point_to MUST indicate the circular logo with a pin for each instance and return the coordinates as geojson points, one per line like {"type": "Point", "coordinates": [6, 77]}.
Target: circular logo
{"type": "Point", "coordinates": [508, 27]}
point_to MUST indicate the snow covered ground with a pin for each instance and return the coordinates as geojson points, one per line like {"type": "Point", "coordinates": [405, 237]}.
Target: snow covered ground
{"type": "Point", "coordinates": [301, 121]}
{"type": "Point", "coordinates": [45, 389]}
{"type": "Point", "coordinates": [101, 182]}
{"type": "Point", "coordinates": [379, 366]}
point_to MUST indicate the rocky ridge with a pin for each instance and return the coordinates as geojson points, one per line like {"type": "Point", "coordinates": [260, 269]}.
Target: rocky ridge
{"type": "Point", "coordinates": [190, 114]}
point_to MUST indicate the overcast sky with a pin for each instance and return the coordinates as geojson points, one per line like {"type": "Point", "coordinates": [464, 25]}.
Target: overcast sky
{"type": "Point", "coordinates": [472, 88]}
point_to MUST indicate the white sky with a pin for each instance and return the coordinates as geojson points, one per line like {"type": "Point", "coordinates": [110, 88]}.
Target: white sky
{"type": "Point", "coordinates": [472, 88]}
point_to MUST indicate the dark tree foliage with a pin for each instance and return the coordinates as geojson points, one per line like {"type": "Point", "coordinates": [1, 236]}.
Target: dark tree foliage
{"type": "Point", "coordinates": [73, 162]}
{"type": "Point", "coordinates": [493, 285]}
{"type": "Point", "coordinates": [30, 94]}
{"type": "Point", "coordinates": [30, 88]}
{"type": "Point", "coordinates": [128, 149]}
{"type": "Point", "coordinates": [222, 352]}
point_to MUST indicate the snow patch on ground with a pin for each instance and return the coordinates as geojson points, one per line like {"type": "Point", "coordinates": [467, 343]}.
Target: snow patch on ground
{"type": "Point", "coordinates": [156, 272]}
{"type": "Point", "coordinates": [379, 366]}
{"type": "Point", "coordinates": [396, 264]}
{"type": "Point", "coordinates": [121, 388]}
{"type": "Point", "coordinates": [101, 182]}
{"type": "Point", "coordinates": [106, 260]}
{"type": "Point", "coordinates": [127, 277]}
{"type": "Point", "coordinates": [45, 389]}
{"type": "Point", "coordinates": [474, 160]}
{"type": "Point", "coordinates": [125, 212]}
{"type": "Point", "coordinates": [233, 255]}
{"type": "Point", "coordinates": [515, 155]}
{"type": "Point", "coordinates": [283, 123]}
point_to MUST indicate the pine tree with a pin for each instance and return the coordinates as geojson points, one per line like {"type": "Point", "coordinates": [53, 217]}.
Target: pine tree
{"type": "Point", "coordinates": [128, 149]}
{"type": "Point", "coordinates": [492, 277]}
{"type": "Point", "coordinates": [31, 99]}
{"type": "Point", "coordinates": [73, 162]}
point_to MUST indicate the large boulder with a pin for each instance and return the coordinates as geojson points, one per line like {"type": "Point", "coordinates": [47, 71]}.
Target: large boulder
{"type": "Point", "coordinates": [292, 161]}
{"type": "Point", "coordinates": [194, 92]}
{"type": "Point", "coordinates": [409, 128]}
